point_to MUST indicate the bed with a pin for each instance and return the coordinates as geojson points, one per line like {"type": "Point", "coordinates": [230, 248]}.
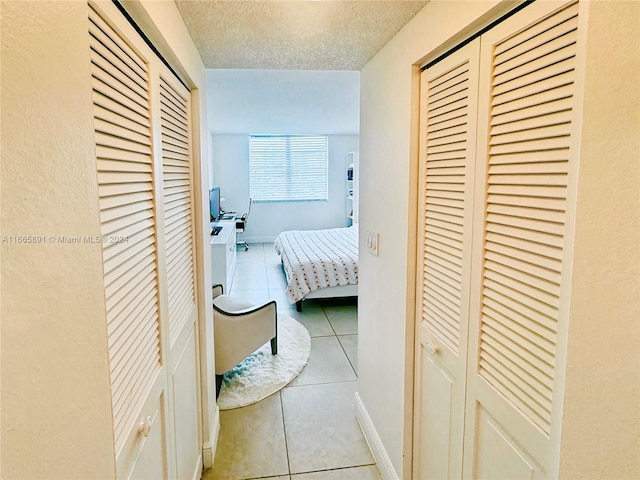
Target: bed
{"type": "Point", "coordinates": [319, 263]}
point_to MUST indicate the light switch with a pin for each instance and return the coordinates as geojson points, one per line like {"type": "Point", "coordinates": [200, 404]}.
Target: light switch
{"type": "Point", "coordinates": [373, 239]}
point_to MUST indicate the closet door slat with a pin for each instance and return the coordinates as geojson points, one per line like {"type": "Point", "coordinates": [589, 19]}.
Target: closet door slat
{"type": "Point", "coordinates": [127, 306]}
{"type": "Point", "coordinates": [136, 69]}
{"type": "Point", "coordinates": [533, 343]}
{"type": "Point", "coordinates": [542, 55]}
{"type": "Point", "coordinates": [530, 110]}
{"type": "Point", "coordinates": [528, 36]}
{"type": "Point", "coordinates": [443, 83]}
{"type": "Point", "coordinates": [173, 136]}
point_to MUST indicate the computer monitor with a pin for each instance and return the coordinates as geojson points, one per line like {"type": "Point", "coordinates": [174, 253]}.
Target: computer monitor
{"type": "Point", "coordinates": [214, 203]}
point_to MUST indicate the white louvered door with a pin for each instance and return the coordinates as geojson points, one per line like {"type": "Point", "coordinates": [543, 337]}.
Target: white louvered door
{"type": "Point", "coordinates": [517, 307]}
{"type": "Point", "coordinates": [518, 216]}
{"type": "Point", "coordinates": [122, 117]}
{"type": "Point", "coordinates": [448, 120]}
{"type": "Point", "coordinates": [144, 171]}
{"type": "Point", "coordinates": [178, 256]}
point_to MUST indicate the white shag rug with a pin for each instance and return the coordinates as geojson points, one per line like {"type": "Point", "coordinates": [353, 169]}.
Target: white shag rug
{"type": "Point", "coordinates": [261, 374]}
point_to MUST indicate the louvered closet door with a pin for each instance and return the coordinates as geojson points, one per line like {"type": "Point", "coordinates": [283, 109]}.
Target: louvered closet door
{"type": "Point", "coordinates": [517, 306]}
{"type": "Point", "coordinates": [122, 116]}
{"type": "Point", "coordinates": [177, 252]}
{"type": "Point", "coordinates": [177, 199]}
{"type": "Point", "coordinates": [447, 148]}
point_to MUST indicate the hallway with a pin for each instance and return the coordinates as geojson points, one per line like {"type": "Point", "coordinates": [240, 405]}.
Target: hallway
{"type": "Point", "coordinates": [308, 430]}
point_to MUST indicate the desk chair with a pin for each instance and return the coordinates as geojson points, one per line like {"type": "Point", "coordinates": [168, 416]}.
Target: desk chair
{"type": "Point", "coordinates": [241, 224]}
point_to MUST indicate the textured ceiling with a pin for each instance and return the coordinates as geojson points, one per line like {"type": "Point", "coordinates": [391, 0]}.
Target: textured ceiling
{"type": "Point", "coordinates": [293, 34]}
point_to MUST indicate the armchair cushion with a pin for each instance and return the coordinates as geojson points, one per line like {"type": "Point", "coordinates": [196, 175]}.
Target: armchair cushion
{"type": "Point", "coordinates": [232, 304]}
{"type": "Point", "coordinates": [240, 328]}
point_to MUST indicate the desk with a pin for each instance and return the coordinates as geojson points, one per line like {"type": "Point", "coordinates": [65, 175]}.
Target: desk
{"type": "Point", "coordinates": [223, 254]}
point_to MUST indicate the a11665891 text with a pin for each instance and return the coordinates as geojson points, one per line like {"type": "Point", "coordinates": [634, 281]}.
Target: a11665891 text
{"type": "Point", "coordinates": [29, 239]}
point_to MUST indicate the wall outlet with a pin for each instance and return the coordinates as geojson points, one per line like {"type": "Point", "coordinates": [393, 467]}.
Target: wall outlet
{"type": "Point", "coordinates": [373, 239]}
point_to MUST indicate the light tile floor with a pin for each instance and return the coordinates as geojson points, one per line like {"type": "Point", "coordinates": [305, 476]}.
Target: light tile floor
{"type": "Point", "coordinates": [308, 430]}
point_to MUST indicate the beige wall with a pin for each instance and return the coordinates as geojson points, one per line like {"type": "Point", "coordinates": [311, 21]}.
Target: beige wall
{"type": "Point", "coordinates": [603, 361]}
{"type": "Point", "coordinates": [56, 401]}
{"type": "Point", "coordinates": [387, 178]}
{"type": "Point", "coordinates": [601, 424]}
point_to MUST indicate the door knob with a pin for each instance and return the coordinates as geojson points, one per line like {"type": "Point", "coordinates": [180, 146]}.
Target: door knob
{"type": "Point", "coordinates": [432, 348]}
{"type": "Point", "coordinates": [144, 427]}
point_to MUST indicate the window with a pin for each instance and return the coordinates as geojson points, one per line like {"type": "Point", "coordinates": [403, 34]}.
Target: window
{"type": "Point", "coordinates": [288, 167]}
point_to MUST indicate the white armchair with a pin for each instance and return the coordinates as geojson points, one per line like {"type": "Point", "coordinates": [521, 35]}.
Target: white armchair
{"type": "Point", "coordinates": [240, 328]}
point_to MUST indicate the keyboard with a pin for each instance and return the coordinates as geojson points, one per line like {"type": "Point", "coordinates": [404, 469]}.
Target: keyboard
{"type": "Point", "coordinates": [216, 230]}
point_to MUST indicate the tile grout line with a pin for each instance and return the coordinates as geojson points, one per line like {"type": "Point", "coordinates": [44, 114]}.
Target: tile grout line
{"type": "Point", "coordinates": [335, 469]}
{"type": "Point", "coordinates": [320, 384]}
{"type": "Point", "coordinates": [330, 324]}
{"type": "Point", "coordinates": [284, 427]}
{"type": "Point", "coordinates": [346, 355]}
{"type": "Point", "coordinates": [339, 342]}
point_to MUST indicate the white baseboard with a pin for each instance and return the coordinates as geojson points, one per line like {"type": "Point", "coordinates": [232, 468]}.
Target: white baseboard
{"type": "Point", "coordinates": [197, 474]}
{"type": "Point", "coordinates": [209, 448]}
{"type": "Point", "coordinates": [373, 439]}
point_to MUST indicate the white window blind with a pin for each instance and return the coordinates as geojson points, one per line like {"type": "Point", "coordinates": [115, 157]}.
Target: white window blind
{"type": "Point", "coordinates": [288, 167]}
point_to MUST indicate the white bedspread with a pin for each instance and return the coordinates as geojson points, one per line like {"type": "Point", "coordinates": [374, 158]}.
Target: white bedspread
{"type": "Point", "coordinates": [316, 259]}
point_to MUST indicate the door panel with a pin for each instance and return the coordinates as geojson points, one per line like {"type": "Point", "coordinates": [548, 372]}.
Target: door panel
{"type": "Point", "coordinates": [178, 271]}
{"type": "Point", "coordinates": [499, 456]}
{"type": "Point", "coordinates": [527, 76]}
{"type": "Point", "coordinates": [185, 399]}
{"type": "Point", "coordinates": [150, 459]}
{"type": "Point", "coordinates": [436, 425]}
{"type": "Point", "coordinates": [125, 172]}
{"type": "Point", "coordinates": [448, 119]}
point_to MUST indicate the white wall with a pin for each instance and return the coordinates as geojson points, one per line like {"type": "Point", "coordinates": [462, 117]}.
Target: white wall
{"type": "Point", "coordinates": [56, 399]}
{"type": "Point", "coordinates": [230, 154]}
{"type": "Point", "coordinates": [601, 420]}
{"type": "Point", "coordinates": [387, 179]}
{"type": "Point", "coordinates": [244, 102]}
{"type": "Point", "coordinates": [56, 402]}
{"type": "Point", "coordinates": [605, 292]}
